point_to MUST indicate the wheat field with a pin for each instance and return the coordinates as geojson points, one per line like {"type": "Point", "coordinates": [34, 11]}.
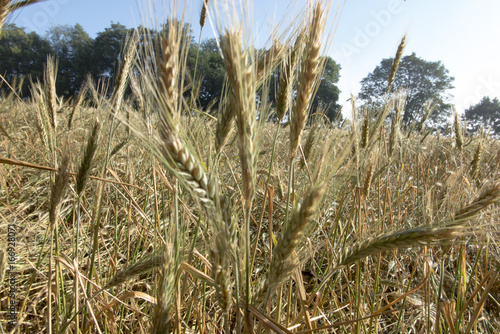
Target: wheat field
{"type": "Point", "coordinates": [133, 210]}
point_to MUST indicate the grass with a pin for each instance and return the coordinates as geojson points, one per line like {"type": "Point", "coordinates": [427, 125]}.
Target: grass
{"type": "Point", "coordinates": [134, 215]}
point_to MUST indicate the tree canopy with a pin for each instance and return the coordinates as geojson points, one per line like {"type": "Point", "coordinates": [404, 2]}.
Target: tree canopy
{"type": "Point", "coordinates": [486, 113]}
{"type": "Point", "coordinates": [422, 80]}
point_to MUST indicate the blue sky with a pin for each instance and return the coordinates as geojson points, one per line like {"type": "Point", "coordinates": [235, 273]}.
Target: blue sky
{"type": "Point", "coordinates": [463, 34]}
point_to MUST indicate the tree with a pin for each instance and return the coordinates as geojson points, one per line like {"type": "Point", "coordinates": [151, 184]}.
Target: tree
{"type": "Point", "coordinates": [422, 80]}
{"type": "Point", "coordinates": [211, 69]}
{"type": "Point", "coordinates": [73, 49]}
{"type": "Point", "coordinates": [327, 94]}
{"type": "Point", "coordinates": [22, 54]}
{"type": "Point", "coordinates": [106, 48]}
{"type": "Point", "coordinates": [486, 113]}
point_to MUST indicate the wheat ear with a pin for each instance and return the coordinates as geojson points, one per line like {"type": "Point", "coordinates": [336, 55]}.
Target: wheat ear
{"type": "Point", "coordinates": [138, 96]}
{"type": "Point", "coordinates": [268, 61]}
{"type": "Point", "coordinates": [4, 11]}
{"type": "Point", "coordinates": [169, 70]}
{"type": "Point", "coordinates": [83, 172]}
{"type": "Point", "coordinates": [458, 133]}
{"type": "Point", "coordinates": [162, 319]}
{"type": "Point", "coordinates": [476, 162]}
{"type": "Point", "coordinates": [43, 119]}
{"type": "Point", "coordinates": [49, 78]}
{"type": "Point", "coordinates": [307, 77]}
{"type": "Point", "coordinates": [203, 14]}
{"type": "Point", "coordinates": [8, 6]}
{"type": "Point", "coordinates": [311, 137]}
{"type": "Point", "coordinates": [175, 152]}
{"type": "Point", "coordinates": [58, 188]}
{"type": "Point", "coordinates": [139, 268]}
{"type": "Point", "coordinates": [220, 268]}
{"type": "Point", "coordinates": [395, 62]}
{"type": "Point", "coordinates": [368, 178]}
{"type": "Point", "coordinates": [224, 125]}
{"type": "Point", "coordinates": [128, 56]}
{"type": "Point", "coordinates": [79, 100]}
{"type": "Point", "coordinates": [429, 108]}
{"type": "Point", "coordinates": [287, 77]}
{"type": "Point", "coordinates": [395, 124]}
{"type": "Point", "coordinates": [364, 130]}
{"type": "Point", "coordinates": [489, 195]}
{"type": "Point", "coordinates": [241, 76]}
{"type": "Point", "coordinates": [282, 263]}
{"type": "Point", "coordinates": [400, 239]}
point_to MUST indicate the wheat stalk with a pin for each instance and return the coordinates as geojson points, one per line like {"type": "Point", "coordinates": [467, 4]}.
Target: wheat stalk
{"type": "Point", "coordinates": [224, 245]}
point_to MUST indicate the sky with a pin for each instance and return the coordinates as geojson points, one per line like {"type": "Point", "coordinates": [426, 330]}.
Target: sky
{"type": "Point", "coordinates": [463, 34]}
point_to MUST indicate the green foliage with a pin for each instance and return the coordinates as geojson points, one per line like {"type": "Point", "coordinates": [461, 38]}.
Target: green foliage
{"type": "Point", "coordinates": [72, 47]}
{"type": "Point", "coordinates": [422, 80]}
{"type": "Point", "coordinates": [22, 54]}
{"type": "Point", "coordinates": [486, 113]}
{"type": "Point", "coordinates": [328, 92]}
{"type": "Point", "coordinates": [212, 71]}
{"type": "Point", "coordinates": [106, 48]}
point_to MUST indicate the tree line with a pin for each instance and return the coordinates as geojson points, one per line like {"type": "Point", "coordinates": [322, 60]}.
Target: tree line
{"type": "Point", "coordinates": [79, 55]}
{"type": "Point", "coordinates": [425, 84]}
